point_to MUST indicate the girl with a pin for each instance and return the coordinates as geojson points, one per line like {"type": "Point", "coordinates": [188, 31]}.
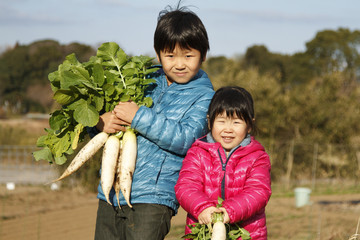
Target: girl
{"type": "Point", "coordinates": [229, 163]}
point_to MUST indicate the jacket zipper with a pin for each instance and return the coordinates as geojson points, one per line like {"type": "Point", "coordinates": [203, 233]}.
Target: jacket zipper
{"type": "Point", "coordinates": [223, 166]}
{"type": "Point", "coordinates": [164, 89]}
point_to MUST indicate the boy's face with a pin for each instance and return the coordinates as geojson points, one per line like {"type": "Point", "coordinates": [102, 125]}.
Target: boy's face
{"type": "Point", "coordinates": [180, 65]}
{"type": "Point", "coordinates": [229, 131]}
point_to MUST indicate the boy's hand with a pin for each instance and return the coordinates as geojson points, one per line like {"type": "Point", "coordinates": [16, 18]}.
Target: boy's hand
{"type": "Point", "coordinates": [226, 215]}
{"type": "Point", "coordinates": [109, 123]}
{"type": "Point", "coordinates": [125, 112]}
{"type": "Point", "coordinates": [205, 216]}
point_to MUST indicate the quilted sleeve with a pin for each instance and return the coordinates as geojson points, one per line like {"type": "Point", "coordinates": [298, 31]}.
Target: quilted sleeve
{"type": "Point", "coordinates": [174, 136]}
{"type": "Point", "coordinates": [189, 188]}
{"type": "Point", "coordinates": [256, 192]}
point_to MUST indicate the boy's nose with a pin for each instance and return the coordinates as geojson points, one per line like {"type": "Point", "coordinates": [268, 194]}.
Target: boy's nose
{"type": "Point", "coordinates": [179, 64]}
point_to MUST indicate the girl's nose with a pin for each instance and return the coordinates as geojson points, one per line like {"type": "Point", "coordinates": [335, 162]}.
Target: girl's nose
{"type": "Point", "coordinates": [228, 127]}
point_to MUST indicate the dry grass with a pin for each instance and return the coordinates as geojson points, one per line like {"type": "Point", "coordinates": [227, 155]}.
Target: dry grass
{"type": "Point", "coordinates": [21, 131]}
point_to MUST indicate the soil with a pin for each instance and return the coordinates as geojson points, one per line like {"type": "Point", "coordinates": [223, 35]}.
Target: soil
{"type": "Point", "coordinates": [37, 212]}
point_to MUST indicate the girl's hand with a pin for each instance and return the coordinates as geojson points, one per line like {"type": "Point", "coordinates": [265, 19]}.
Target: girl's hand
{"type": "Point", "coordinates": [109, 123]}
{"type": "Point", "coordinates": [226, 215]}
{"type": "Point", "coordinates": [205, 216]}
{"type": "Point", "coordinates": [125, 112]}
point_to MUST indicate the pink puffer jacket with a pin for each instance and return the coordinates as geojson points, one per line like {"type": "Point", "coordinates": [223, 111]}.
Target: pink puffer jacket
{"type": "Point", "coordinates": [247, 184]}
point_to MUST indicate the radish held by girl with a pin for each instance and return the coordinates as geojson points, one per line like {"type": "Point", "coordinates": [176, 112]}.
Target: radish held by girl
{"type": "Point", "coordinates": [229, 163]}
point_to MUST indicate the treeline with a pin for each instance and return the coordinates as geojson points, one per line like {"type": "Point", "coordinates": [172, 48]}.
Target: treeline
{"type": "Point", "coordinates": [307, 104]}
{"type": "Point", "coordinates": [313, 94]}
{"type": "Point", "coordinates": [24, 73]}
{"type": "Point", "coordinates": [301, 100]}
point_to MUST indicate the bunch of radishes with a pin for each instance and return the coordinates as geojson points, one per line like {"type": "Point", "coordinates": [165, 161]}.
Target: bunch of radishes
{"type": "Point", "coordinates": [84, 90]}
{"type": "Point", "coordinates": [118, 162]}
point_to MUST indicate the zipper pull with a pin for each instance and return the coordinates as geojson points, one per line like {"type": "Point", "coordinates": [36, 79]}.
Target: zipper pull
{"type": "Point", "coordinates": [223, 164]}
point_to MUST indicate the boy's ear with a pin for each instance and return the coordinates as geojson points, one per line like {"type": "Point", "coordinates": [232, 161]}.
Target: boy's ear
{"type": "Point", "coordinates": [158, 58]}
{"type": "Point", "coordinates": [204, 58]}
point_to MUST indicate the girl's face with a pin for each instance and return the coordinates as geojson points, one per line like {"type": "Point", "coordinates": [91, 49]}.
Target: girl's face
{"type": "Point", "coordinates": [180, 65]}
{"type": "Point", "coordinates": [229, 131]}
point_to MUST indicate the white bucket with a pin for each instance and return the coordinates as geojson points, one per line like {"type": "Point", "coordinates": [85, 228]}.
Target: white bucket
{"type": "Point", "coordinates": [10, 186]}
{"type": "Point", "coordinates": [302, 196]}
{"type": "Point", "coordinates": [54, 186]}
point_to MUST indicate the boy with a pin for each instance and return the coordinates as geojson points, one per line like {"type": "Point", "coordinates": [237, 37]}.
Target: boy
{"type": "Point", "coordinates": [166, 130]}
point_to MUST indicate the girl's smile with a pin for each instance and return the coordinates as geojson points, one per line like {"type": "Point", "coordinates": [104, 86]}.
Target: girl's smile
{"type": "Point", "coordinates": [227, 139]}
{"type": "Point", "coordinates": [229, 131]}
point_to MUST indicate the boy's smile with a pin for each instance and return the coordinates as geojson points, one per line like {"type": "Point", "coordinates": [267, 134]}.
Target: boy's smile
{"type": "Point", "coordinates": [180, 65]}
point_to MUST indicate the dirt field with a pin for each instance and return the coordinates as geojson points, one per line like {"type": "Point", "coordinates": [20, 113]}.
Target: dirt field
{"type": "Point", "coordinates": [33, 212]}
{"type": "Point", "coordinates": [37, 213]}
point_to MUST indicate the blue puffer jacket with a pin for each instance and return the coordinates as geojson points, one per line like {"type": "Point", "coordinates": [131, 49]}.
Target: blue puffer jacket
{"type": "Point", "coordinates": [166, 131]}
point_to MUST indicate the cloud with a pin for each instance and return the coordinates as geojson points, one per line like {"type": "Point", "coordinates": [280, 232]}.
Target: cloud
{"type": "Point", "coordinates": [113, 2]}
{"type": "Point", "coordinates": [11, 16]}
{"type": "Point", "coordinates": [277, 17]}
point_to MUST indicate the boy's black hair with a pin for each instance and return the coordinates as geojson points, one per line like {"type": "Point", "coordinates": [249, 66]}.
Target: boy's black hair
{"type": "Point", "coordinates": [180, 26]}
{"type": "Point", "coordinates": [232, 100]}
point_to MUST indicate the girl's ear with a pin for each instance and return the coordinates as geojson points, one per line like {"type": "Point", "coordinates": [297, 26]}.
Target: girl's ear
{"type": "Point", "coordinates": [208, 120]}
{"type": "Point", "coordinates": [249, 130]}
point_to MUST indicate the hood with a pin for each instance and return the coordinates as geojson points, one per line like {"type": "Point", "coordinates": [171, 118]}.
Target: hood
{"type": "Point", "coordinates": [242, 149]}
{"type": "Point", "coordinates": [202, 80]}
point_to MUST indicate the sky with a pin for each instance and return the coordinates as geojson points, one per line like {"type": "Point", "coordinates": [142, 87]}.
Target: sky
{"type": "Point", "coordinates": [283, 26]}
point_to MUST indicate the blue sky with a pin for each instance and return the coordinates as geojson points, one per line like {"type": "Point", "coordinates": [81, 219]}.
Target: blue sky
{"type": "Point", "coordinates": [283, 26]}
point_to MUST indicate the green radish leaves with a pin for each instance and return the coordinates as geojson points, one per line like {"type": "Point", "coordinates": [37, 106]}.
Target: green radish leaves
{"type": "Point", "coordinates": [234, 231]}
{"type": "Point", "coordinates": [83, 90]}
{"type": "Point", "coordinates": [204, 231]}
{"type": "Point", "coordinates": [220, 201]}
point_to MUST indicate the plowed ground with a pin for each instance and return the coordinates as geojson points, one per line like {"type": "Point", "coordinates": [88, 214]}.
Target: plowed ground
{"type": "Point", "coordinates": [36, 212]}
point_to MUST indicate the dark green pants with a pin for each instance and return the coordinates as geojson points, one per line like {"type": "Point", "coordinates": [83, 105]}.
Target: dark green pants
{"type": "Point", "coordinates": [142, 222]}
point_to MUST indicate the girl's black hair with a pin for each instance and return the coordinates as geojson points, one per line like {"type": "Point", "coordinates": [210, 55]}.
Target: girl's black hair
{"type": "Point", "coordinates": [233, 100]}
{"type": "Point", "coordinates": [180, 26]}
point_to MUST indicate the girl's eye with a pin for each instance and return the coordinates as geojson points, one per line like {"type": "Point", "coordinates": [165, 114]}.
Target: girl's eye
{"type": "Point", "coordinates": [238, 122]}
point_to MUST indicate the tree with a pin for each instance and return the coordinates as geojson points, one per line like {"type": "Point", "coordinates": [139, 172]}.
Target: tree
{"type": "Point", "coordinates": [259, 57]}
{"type": "Point", "coordinates": [221, 70]}
{"type": "Point", "coordinates": [27, 66]}
{"type": "Point", "coordinates": [332, 51]}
